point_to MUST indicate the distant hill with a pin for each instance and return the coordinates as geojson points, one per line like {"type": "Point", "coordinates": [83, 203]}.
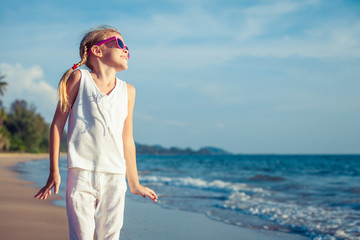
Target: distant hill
{"type": "Point", "coordinates": [142, 149]}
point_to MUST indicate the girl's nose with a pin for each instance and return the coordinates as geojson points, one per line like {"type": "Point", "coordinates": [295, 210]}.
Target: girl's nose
{"type": "Point", "coordinates": [127, 52]}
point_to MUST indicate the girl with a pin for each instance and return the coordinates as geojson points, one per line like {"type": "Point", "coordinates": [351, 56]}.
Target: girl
{"type": "Point", "coordinates": [101, 148]}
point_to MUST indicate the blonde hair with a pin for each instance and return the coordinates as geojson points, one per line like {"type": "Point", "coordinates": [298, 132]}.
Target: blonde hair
{"type": "Point", "coordinates": [93, 36]}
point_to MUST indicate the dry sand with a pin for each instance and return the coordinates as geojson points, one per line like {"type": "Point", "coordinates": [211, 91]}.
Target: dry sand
{"type": "Point", "coordinates": [21, 215]}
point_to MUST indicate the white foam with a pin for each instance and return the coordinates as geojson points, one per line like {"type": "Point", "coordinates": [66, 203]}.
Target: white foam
{"type": "Point", "coordinates": [329, 222]}
{"type": "Point", "coordinates": [203, 184]}
{"type": "Point", "coordinates": [324, 223]}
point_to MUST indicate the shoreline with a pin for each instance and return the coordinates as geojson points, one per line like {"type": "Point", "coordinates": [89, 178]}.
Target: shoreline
{"type": "Point", "coordinates": [158, 223]}
{"type": "Point", "coordinates": [23, 217]}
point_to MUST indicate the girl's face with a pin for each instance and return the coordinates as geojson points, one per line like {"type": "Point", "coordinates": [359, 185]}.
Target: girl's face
{"type": "Point", "coordinates": [115, 56]}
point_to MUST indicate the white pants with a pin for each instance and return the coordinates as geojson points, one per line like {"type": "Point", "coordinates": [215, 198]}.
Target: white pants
{"type": "Point", "coordinates": [95, 204]}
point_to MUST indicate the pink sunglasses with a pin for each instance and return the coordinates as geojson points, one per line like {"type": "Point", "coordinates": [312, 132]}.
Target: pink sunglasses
{"type": "Point", "coordinates": [119, 43]}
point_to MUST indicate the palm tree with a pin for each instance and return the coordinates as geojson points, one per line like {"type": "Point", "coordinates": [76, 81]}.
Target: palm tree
{"type": "Point", "coordinates": [4, 141]}
{"type": "Point", "coordinates": [2, 85]}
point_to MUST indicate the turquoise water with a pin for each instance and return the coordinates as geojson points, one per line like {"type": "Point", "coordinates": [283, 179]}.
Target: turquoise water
{"type": "Point", "coordinates": [315, 195]}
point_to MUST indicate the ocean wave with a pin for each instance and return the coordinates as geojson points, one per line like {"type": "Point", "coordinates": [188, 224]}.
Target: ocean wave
{"type": "Point", "coordinates": [217, 185]}
{"type": "Point", "coordinates": [322, 222]}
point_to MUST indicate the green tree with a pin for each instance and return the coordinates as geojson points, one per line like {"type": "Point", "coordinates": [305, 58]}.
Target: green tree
{"type": "Point", "coordinates": [2, 85]}
{"type": "Point", "coordinates": [28, 130]}
{"type": "Point", "coordinates": [4, 135]}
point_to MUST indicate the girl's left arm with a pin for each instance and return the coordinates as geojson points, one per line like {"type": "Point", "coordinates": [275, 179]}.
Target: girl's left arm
{"type": "Point", "coordinates": [130, 151]}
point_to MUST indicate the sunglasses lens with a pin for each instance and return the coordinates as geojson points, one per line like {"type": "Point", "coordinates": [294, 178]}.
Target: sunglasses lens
{"type": "Point", "coordinates": [120, 43]}
{"type": "Point", "coordinates": [122, 46]}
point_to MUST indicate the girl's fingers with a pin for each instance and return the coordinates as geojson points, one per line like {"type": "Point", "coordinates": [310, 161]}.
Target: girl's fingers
{"type": "Point", "coordinates": [46, 191]}
{"type": "Point", "coordinates": [56, 187]}
{"type": "Point", "coordinates": [153, 196]}
{"type": "Point", "coordinates": [42, 194]}
{"type": "Point", "coordinates": [153, 193]}
{"type": "Point", "coordinates": [147, 192]}
{"type": "Point", "coordinates": [46, 194]}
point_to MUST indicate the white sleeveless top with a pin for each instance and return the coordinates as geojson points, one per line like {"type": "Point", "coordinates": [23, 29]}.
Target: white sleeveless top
{"type": "Point", "coordinates": [95, 127]}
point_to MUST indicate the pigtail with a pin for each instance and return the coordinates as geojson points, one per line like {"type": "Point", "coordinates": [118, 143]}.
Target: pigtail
{"type": "Point", "coordinates": [63, 97]}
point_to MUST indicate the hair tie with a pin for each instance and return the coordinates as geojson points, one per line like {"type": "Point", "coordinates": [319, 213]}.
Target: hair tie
{"type": "Point", "coordinates": [74, 67]}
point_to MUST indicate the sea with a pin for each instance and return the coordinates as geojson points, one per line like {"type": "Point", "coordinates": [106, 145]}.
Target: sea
{"type": "Point", "coordinates": [317, 196]}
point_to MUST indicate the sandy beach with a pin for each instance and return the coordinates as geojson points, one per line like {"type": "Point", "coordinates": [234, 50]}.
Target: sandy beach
{"type": "Point", "coordinates": [23, 217]}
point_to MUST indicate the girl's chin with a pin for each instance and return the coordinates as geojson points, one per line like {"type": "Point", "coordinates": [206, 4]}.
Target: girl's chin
{"type": "Point", "coordinates": [123, 67]}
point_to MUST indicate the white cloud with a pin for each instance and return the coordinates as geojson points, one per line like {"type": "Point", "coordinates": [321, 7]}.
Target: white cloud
{"type": "Point", "coordinates": [278, 7]}
{"type": "Point", "coordinates": [222, 93]}
{"type": "Point", "coordinates": [143, 116]}
{"type": "Point", "coordinates": [29, 84]}
{"type": "Point", "coordinates": [220, 125]}
{"type": "Point", "coordinates": [257, 20]}
{"type": "Point", "coordinates": [188, 39]}
{"type": "Point", "coordinates": [175, 123]}
{"type": "Point", "coordinates": [148, 118]}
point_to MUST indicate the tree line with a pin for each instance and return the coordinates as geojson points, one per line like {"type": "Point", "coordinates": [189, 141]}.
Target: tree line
{"type": "Point", "coordinates": [22, 129]}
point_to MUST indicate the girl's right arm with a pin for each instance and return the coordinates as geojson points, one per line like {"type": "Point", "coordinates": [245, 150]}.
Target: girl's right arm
{"type": "Point", "coordinates": [56, 130]}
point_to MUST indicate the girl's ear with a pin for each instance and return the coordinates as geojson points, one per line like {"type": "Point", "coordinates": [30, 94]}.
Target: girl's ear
{"type": "Point", "coordinates": [96, 50]}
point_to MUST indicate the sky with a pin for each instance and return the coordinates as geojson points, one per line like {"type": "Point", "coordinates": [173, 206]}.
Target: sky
{"type": "Point", "coordinates": [252, 76]}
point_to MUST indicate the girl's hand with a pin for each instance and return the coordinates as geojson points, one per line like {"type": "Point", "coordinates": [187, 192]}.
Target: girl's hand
{"type": "Point", "coordinates": [52, 182]}
{"type": "Point", "coordinates": [145, 191]}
